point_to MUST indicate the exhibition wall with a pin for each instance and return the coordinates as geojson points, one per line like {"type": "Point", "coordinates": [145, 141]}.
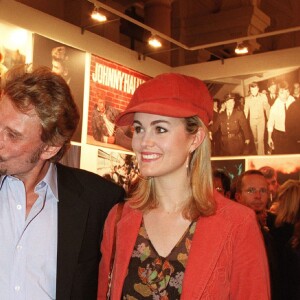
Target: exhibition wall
{"type": "Point", "coordinates": [101, 72]}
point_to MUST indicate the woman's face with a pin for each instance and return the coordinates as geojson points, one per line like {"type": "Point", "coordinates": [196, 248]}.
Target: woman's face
{"type": "Point", "coordinates": [161, 144]}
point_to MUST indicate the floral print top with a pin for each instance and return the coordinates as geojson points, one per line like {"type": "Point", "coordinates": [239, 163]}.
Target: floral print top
{"type": "Point", "coordinates": [151, 276]}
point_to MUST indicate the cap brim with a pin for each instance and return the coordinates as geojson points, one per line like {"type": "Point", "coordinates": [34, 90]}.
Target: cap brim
{"type": "Point", "coordinates": [163, 109]}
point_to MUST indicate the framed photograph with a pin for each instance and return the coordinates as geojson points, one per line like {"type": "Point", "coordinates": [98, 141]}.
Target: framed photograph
{"type": "Point", "coordinates": [256, 114]}
{"type": "Point", "coordinates": [111, 88]}
{"type": "Point", "coordinates": [119, 167]}
{"type": "Point", "coordinates": [66, 61]}
{"type": "Point", "coordinates": [287, 167]}
{"type": "Point", "coordinates": [15, 46]}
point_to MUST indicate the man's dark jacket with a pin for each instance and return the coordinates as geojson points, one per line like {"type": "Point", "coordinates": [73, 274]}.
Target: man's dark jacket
{"type": "Point", "coordinates": [84, 202]}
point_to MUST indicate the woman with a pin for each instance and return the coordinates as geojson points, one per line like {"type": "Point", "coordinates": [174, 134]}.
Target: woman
{"type": "Point", "coordinates": [234, 128]}
{"type": "Point", "coordinates": [177, 238]}
{"type": "Point", "coordinates": [286, 234]}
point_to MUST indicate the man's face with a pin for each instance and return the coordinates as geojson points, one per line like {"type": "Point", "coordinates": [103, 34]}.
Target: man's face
{"type": "Point", "coordinates": [254, 193]}
{"type": "Point", "coordinates": [20, 140]}
{"type": "Point", "coordinates": [296, 88]}
{"type": "Point", "coordinates": [218, 186]}
{"type": "Point", "coordinates": [273, 186]}
{"type": "Point", "coordinates": [101, 106]}
{"type": "Point", "coordinates": [229, 104]}
{"type": "Point", "coordinates": [254, 90]}
{"type": "Point", "coordinates": [272, 89]}
{"type": "Point", "coordinates": [57, 67]}
{"type": "Point", "coordinates": [283, 94]}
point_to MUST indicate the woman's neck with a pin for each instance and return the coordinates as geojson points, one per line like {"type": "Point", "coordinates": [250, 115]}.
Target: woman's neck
{"type": "Point", "coordinates": [172, 195]}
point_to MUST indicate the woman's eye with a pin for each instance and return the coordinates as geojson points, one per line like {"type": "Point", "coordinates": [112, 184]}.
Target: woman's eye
{"type": "Point", "coordinates": [137, 129]}
{"type": "Point", "coordinates": [160, 129]}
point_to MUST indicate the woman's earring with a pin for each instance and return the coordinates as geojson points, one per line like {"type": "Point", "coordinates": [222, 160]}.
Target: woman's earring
{"type": "Point", "coordinates": [188, 163]}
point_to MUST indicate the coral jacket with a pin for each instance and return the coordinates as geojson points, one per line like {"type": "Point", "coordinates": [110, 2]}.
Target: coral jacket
{"type": "Point", "coordinates": [227, 259]}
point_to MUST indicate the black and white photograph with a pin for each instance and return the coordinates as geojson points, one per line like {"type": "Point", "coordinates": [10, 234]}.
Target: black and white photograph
{"type": "Point", "coordinates": [65, 61]}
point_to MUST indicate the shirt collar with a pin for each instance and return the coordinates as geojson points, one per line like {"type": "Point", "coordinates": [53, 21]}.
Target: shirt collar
{"type": "Point", "coordinates": [50, 179]}
{"type": "Point", "coordinates": [2, 180]}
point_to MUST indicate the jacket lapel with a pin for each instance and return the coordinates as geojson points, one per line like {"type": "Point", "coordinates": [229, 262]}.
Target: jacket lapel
{"type": "Point", "coordinates": [127, 231]}
{"type": "Point", "coordinates": [72, 215]}
{"type": "Point", "coordinates": [208, 242]}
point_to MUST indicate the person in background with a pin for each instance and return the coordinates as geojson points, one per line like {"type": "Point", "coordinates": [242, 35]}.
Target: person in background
{"type": "Point", "coordinates": [286, 234]}
{"type": "Point", "coordinates": [296, 91]}
{"type": "Point", "coordinates": [291, 127]}
{"type": "Point", "coordinates": [252, 191]}
{"type": "Point", "coordinates": [233, 126]}
{"type": "Point", "coordinates": [257, 110]}
{"type": "Point", "coordinates": [216, 137]}
{"type": "Point", "coordinates": [272, 92]}
{"type": "Point", "coordinates": [277, 137]}
{"type": "Point", "coordinates": [271, 176]}
{"type": "Point", "coordinates": [104, 128]}
{"type": "Point", "coordinates": [3, 68]}
{"type": "Point", "coordinates": [60, 61]}
{"type": "Point", "coordinates": [177, 237]}
{"type": "Point", "coordinates": [222, 182]}
{"type": "Point", "coordinates": [51, 216]}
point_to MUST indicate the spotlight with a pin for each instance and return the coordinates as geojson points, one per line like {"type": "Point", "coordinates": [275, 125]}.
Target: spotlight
{"type": "Point", "coordinates": [154, 42]}
{"type": "Point", "coordinates": [241, 48]}
{"type": "Point", "coordinates": [96, 15]}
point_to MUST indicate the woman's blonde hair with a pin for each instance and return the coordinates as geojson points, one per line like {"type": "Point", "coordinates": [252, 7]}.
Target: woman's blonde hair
{"type": "Point", "coordinates": [201, 202]}
{"type": "Point", "coordinates": [288, 202]}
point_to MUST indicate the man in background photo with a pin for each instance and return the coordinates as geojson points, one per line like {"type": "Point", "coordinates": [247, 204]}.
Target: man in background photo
{"type": "Point", "coordinates": [257, 110]}
{"type": "Point", "coordinates": [104, 128]}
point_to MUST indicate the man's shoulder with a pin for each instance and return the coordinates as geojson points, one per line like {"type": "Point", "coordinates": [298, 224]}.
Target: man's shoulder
{"type": "Point", "coordinates": [84, 177]}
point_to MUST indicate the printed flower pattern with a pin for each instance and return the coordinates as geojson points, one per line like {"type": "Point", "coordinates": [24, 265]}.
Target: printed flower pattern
{"type": "Point", "coordinates": [151, 276]}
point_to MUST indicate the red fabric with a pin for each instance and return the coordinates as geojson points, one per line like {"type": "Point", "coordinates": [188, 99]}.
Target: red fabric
{"type": "Point", "coordinates": [172, 95]}
{"type": "Point", "coordinates": [227, 259]}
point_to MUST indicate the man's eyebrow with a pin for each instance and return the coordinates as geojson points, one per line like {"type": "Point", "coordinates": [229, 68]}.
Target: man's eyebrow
{"type": "Point", "coordinates": [15, 132]}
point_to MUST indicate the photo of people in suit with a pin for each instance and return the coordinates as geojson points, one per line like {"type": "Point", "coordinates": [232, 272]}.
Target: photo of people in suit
{"type": "Point", "coordinates": [271, 108]}
{"type": "Point", "coordinates": [65, 61]}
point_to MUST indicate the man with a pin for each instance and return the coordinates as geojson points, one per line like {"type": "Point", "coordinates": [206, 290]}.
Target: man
{"type": "Point", "coordinates": [104, 128]}
{"type": "Point", "coordinates": [257, 110]}
{"type": "Point", "coordinates": [222, 182]}
{"type": "Point", "coordinates": [270, 175]}
{"type": "Point", "coordinates": [272, 92]}
{"type": "Point", "coordinates": [60, 62]}
{"type": "Point", "coordinates": [296, 91]}
{"type": "Point", "coordinates": [233, 127]}
{"type": "Point", "coordinates": [277, 137]}
{"type": "Point", "coordinates": [51, 216]}
{"type": "Point", "coordinates": [292, 128]}
{"type": "Point", "coordinates": [252, 191]}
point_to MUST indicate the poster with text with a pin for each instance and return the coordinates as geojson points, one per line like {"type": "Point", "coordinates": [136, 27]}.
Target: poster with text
{"type": "Point", "coordinates": [111, 88]}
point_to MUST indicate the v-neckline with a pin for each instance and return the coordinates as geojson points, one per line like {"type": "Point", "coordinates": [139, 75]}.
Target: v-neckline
{"type": "Point", "coordinates": [171, 251]}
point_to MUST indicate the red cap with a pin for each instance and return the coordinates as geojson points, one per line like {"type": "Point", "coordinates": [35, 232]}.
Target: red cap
{"type": "Point", "coordinates": [172, 95]}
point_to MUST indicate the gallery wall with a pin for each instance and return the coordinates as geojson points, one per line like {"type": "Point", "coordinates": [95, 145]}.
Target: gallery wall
{"type": "Point", "coordinates": [101, 157]}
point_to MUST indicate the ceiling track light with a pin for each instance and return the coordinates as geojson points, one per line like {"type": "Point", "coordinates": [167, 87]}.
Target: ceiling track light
{"type": "Point", "coordinates": [241, 48]}
{"type": "Point", "coordinates": [154, 42]}
{"type": "Point", "coordinates": [96, 15]}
